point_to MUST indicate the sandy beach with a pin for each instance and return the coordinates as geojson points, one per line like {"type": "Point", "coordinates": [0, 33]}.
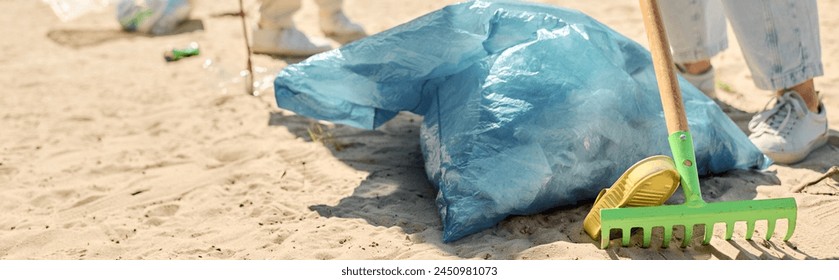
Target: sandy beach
{"type": "Point", "coordinates": [109, 152]}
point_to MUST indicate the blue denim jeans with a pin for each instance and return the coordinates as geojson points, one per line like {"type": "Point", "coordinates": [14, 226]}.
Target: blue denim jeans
{"type": "Point", "coordinates": [779, 38]}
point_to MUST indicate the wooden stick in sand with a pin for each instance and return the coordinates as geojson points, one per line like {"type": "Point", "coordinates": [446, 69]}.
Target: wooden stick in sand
{"type": "Point", "coordinates": [249, 80]}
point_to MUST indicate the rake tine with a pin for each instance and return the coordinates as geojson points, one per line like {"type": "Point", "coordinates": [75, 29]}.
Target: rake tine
{"type": "Point", "coordinates": [668, 234]}
{"type": "Point", "coordinates": [688, 236]}
{"type": "Point", "coordinates": [626, 233]}
{"type": "Point", "coordinates": [750, 229]}
{"type": "Point", "coordinates": [604, 237]}
{"type": "Point", "coordinates": [648, 235]}
{"type": "Point", "coordinates": [770, 228]}
{"type": "Point", "coordinates": [729, 230]}
{"type": "Point", "coordinates": [790, 227]}
{"type": "Point", "coordinates": [709, 232]}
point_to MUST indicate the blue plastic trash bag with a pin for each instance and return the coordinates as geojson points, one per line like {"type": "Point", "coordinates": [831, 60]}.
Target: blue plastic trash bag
{"type": "Point", "coordinates": [156, 17]}
{"type": "Point", "coordinates": [526, 107]}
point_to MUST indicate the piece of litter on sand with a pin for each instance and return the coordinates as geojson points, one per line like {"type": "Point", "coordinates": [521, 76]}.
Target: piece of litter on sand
{"type": "Point", "coordinates": [176, 54]}
{"type": "Point", "coordinates": [826, 184]}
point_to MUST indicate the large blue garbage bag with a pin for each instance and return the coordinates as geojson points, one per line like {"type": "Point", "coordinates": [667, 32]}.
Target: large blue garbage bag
{"type": "Point", "coordinates": [526, 107]}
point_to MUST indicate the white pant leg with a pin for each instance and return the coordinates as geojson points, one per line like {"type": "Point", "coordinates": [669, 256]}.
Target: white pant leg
{"type": "Point", "coordinates": [779, 40]}
{"type": "Point", "coordinates": [695, 28]}
{"type": "Point", "coordinates": [329, 7]}
{"type": "Point", "coordinates": [277, 14]}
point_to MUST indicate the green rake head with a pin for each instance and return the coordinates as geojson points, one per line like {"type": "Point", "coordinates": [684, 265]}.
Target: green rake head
{"type": "Point", "coordinates": [695, 211]}
{"type": "Point", "coordinates": [708, 214]}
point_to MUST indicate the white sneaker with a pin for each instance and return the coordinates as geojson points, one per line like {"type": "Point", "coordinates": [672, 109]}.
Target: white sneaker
{"type": "Point", "coordinates": [704, 82]}
{"type": "Point", "coordinates": [788, 132]}
{"type": "Point", "coordinates": [287, 41]}
{"type": "Point", "coordinates": [338, 25]}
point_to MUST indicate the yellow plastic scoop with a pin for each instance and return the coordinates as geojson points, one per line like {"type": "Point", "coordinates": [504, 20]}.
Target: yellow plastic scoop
{"type": "Point", "coordinates": [648, 182]}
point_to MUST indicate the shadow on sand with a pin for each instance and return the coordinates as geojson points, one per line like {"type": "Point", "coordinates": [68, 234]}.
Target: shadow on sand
{"type": "Point", "coordinates": [81, 38]}
{"type": "Point", "coordinates": [392, 156]}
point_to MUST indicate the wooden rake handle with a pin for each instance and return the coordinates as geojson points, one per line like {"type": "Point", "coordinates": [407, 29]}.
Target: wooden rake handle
{"type": "Point", "coordinates": [681, 143]}
{"type": "Point", "coordinates": [668, 85]}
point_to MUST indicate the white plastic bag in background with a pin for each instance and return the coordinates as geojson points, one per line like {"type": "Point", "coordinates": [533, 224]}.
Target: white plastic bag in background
{"type": "Point", "coordinates": [156, 17]}
{"type": "Point", "coordinates": [67, 10]}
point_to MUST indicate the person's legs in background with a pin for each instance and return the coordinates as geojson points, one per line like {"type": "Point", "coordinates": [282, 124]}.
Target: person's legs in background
{"type": "Point", "coordinates": [696, 31]}
{"type": "Point", "coordinates": [334, 23]}
{"type": "Point", "coordinates": [277, 35]}
{"type": "Point", "coordinates": [780, 42]}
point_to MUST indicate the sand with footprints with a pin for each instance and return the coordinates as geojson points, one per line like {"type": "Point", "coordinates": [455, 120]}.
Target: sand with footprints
{"type": "Point", "coordinates": [109, 152]}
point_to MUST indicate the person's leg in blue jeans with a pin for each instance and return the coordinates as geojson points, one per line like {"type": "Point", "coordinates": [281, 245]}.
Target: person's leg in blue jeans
{"type": "Point", "coordinates": [780, 42]}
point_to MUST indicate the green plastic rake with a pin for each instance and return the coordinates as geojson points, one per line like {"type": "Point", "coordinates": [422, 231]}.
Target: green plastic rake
{"type": "Point", "coordinates": [695, 211]}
